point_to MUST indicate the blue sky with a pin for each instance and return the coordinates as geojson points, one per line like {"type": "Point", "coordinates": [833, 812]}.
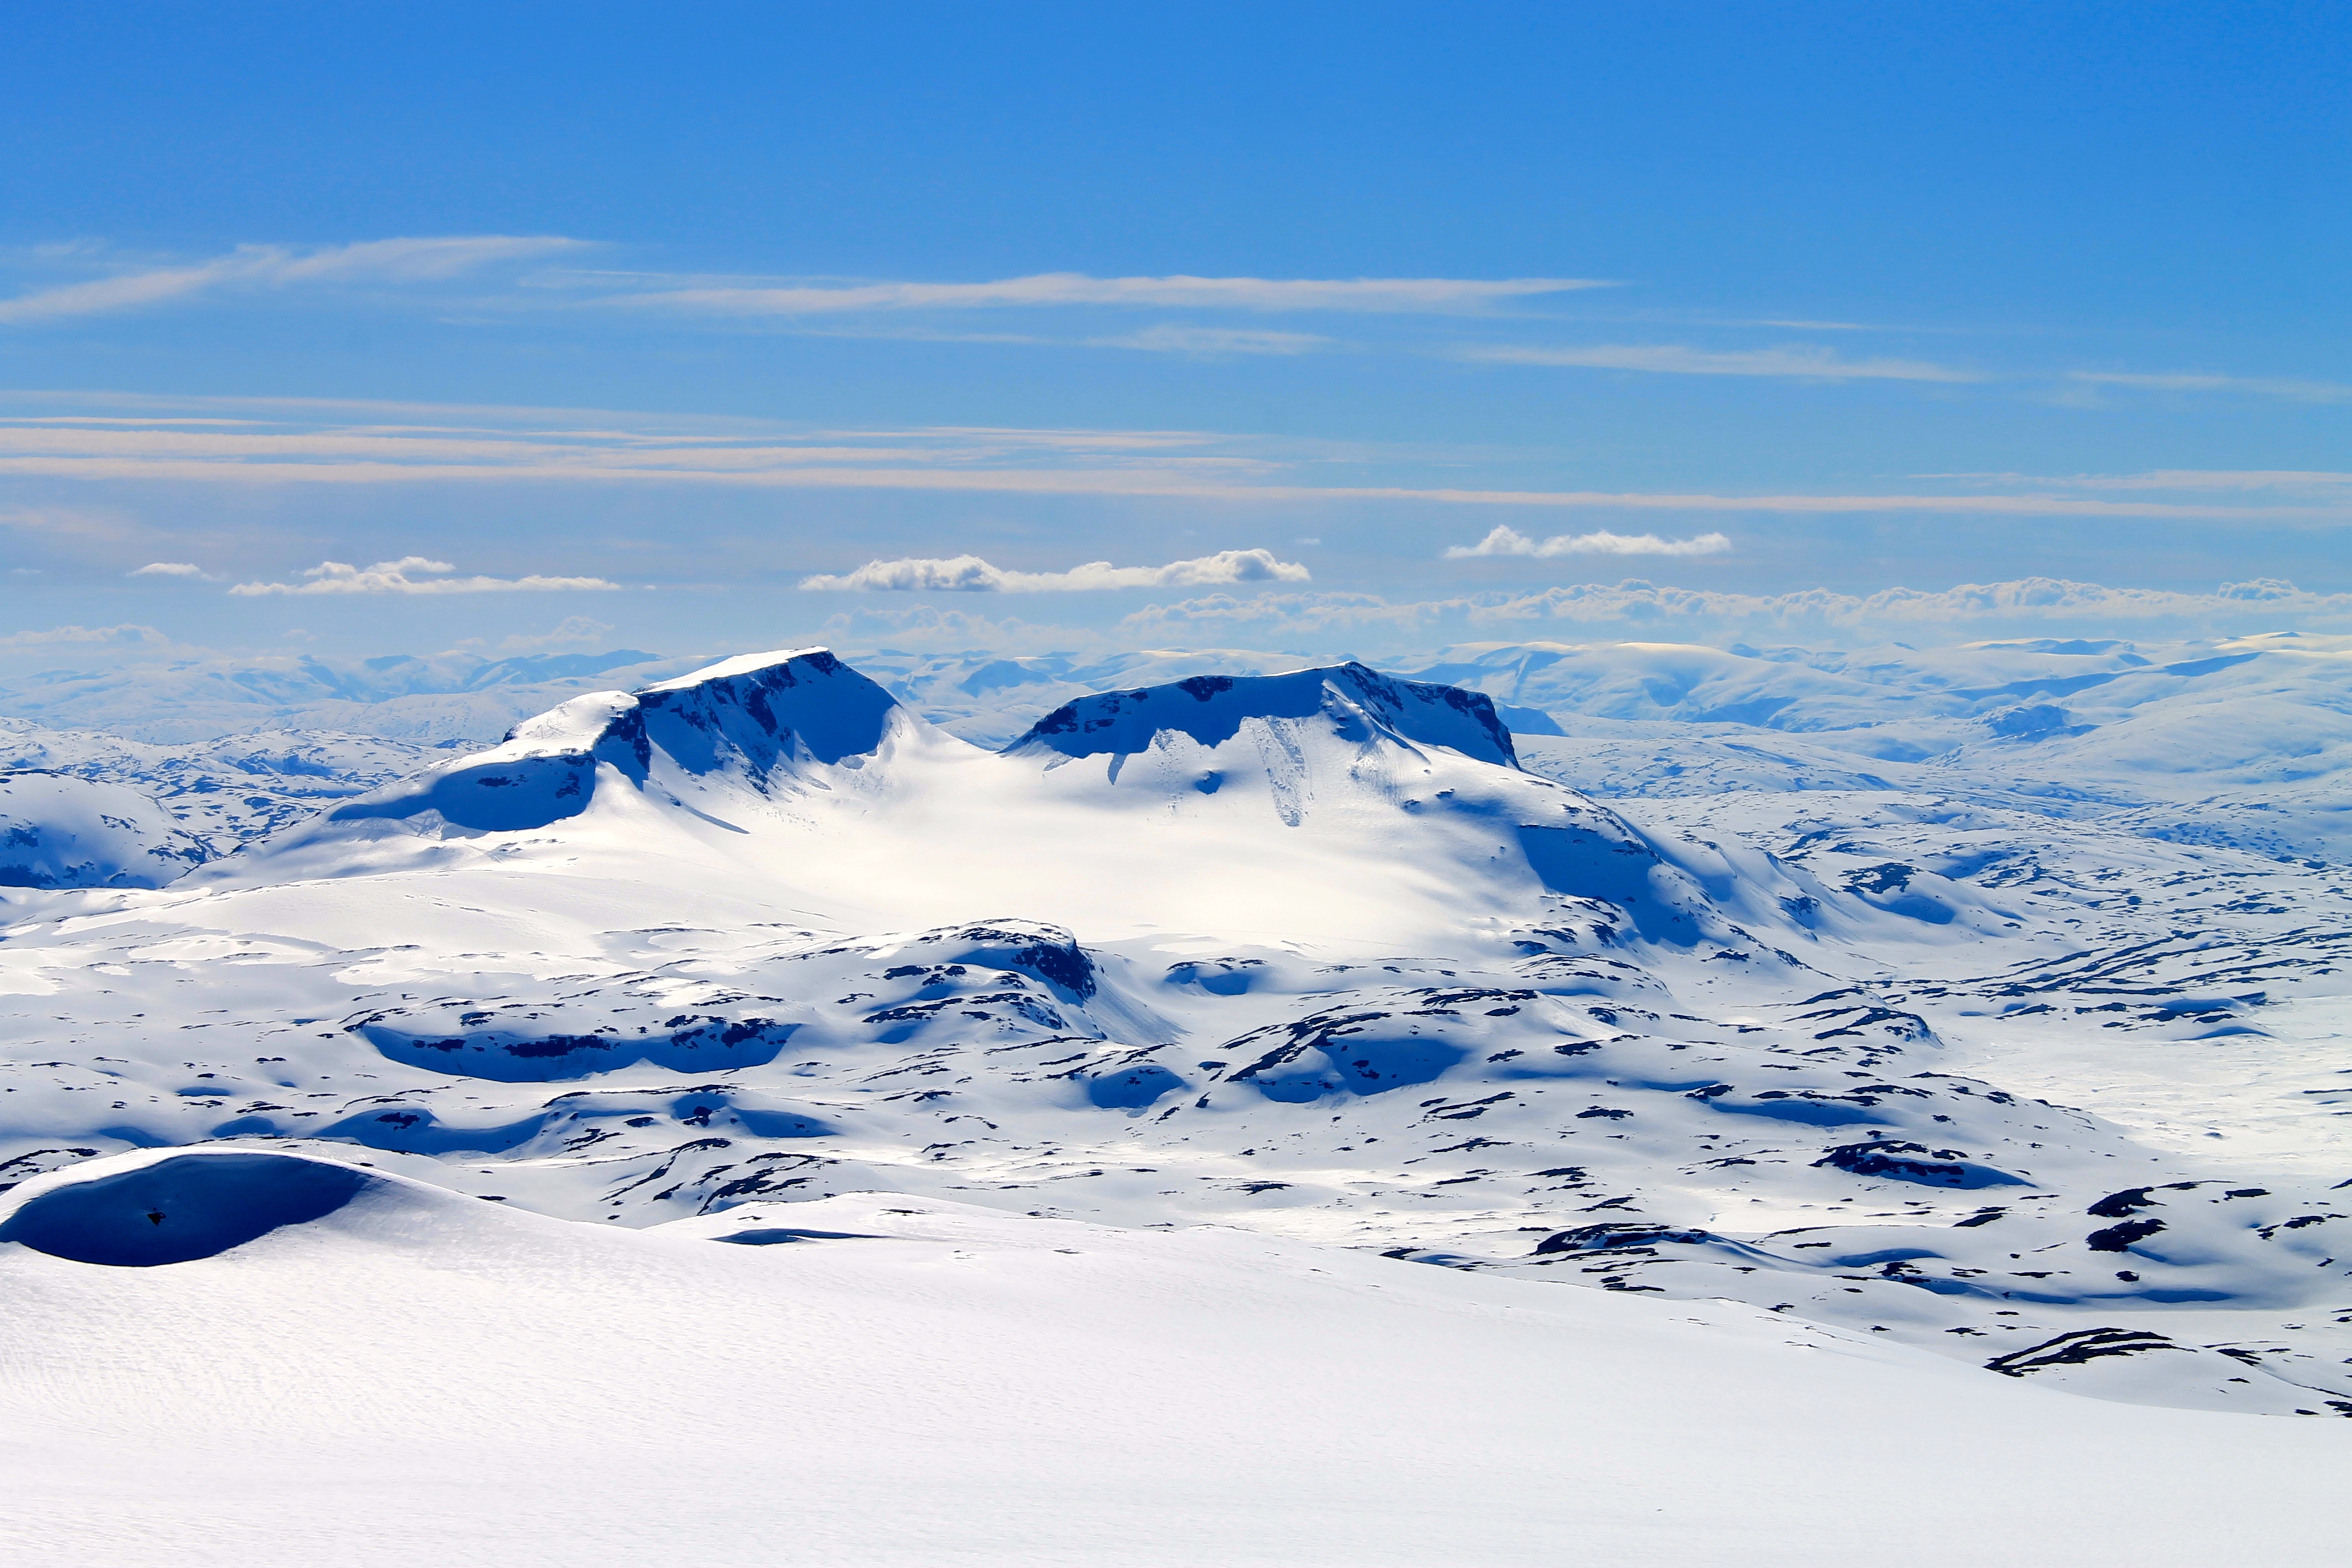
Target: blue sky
{"type": "Point", "coordinates": [372, 330]}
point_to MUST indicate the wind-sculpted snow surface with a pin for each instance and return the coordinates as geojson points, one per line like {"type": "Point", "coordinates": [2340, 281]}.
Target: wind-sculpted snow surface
{"type": "Point", "coordinates": [389, 1373]}
{"type": "Point", "coordinates": [1307, 953]}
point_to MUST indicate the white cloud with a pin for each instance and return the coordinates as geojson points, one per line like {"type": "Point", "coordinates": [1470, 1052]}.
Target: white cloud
{"type": "Point", "coordinates": [171, 569]}
{"type": "Point", "coordinates": [969, 574]}
{"type": "Point", "coordinates": [2264, 590]}
{"type": "Point", "coordinates": [2292, 388]}
{"type": "Point", "coordinates": [1507, 541]}
{"type": "Point", "coordinates": [113, 636]}
{"type": "Point", "coordinates": [1797, 360]}
{"type": "Point", "coordinates": [414, 574]}
{"type": "Point", "coordinates": [1388, 295]}
{"type": "Point", "coordinates": [273, 265]}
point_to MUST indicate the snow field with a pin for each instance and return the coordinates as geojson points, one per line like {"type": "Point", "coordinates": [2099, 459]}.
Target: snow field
{"type": "Point", "coordinates": [415, 1375]}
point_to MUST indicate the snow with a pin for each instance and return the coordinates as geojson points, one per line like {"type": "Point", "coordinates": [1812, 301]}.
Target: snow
{"type": "Point", "coordinates": [224, 793]}
{"type": "Point", "coordinates": [845, 801]}
{"type": "Point", "coordinates": [741, 663]}
{"type": "Point", "coordinates": [60, 831]}
{"type": "Point", "coordinates": [401, 1375]}
{"type": "Point", "coordinates": [1360, 702]}
{"type": "Point", "coordinates": [1627, 1099]}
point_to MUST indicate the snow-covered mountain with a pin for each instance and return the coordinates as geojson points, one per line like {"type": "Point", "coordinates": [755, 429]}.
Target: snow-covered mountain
{"type": "Point", "coordinates": [1993, 1072]}
{"type": "Point", "coordinates": [1174, 808]}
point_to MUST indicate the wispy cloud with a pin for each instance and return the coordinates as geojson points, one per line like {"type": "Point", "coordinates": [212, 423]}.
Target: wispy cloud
{"type": "Point", "coordinates": [112, 637]}
{"type": "Point", "coordinates": [413, 445]}
{"type": "Point", "coordinates": [1504, 540]}
{"type": "Point", "coordinates": [1213, 341]}
{"type": "Point", "coordinates": [171, 569]}
{"type": "Point", "coordinates": [414, 574]}
{"type": "Point", "coordinates": [2292, 388]}
{"type": "Point", "coordinates": [66, 522]}
{"type": "Point", "coordinates": [2299, 481]}
{"type": "Point", "coordinates": [272, 265]}
{"type": "Point", "coordinates": [1799, 361]}
{"type": "Point", "coordinates": [970, 574]}
{"type": "Point", "coordinates": [1385, 295]}
{"type": "Point", "coordinates": [1799, 325]}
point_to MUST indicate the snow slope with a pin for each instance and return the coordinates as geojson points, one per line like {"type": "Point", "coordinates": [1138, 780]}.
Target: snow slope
{"type": "Point", "coordinates": [394, 1375]}
{"type": "Point", "coordinates": [60, 831]}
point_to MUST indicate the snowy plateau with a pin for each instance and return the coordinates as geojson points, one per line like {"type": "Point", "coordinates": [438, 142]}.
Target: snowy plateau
{"type": "Point", "coordinates": [1617, 1103]}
